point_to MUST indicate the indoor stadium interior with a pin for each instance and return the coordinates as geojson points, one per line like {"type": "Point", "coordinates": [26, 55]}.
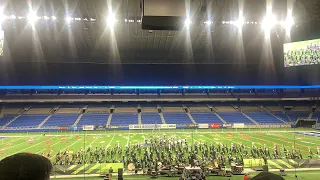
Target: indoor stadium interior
{"type": "Point", "coordinates": [163, 89]}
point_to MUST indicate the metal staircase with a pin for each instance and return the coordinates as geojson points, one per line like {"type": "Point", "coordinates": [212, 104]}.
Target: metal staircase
{"type": "Point", "coordinates": [78, 119]}
{"type": "Point", "coordinates": [191, 118]}
{"type": "Point", "coordinates": [162, 118]}
{"type": "Point", "coordinates": [3, 127]}
{"type": "Point", "coordinates": [248, 117]}
{"type": "Point", "coordinates": [44, 121]}
{"type": "Point", "coordinates": [139, 118]}
{"type": "Point", "coordinates": [221, 119]}
{"type": "Point", "coordinates": [109, 119]}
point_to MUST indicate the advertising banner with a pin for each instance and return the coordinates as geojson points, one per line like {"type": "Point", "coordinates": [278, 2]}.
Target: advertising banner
{"type": "Point", "coordinates": [226, 125]}
{"type": "Point", "coordinates": [168, 126]}
{"type": "Point", "coordinates": [203, 126]}
{"type": "Point", "coordinates": [88, 128]}
{"type": "Point", "coordinates": [238, 125]}
{"type": "Point", "coordinates": [63, 128]}
{"type": "Point", "coordinates": [100, 128]}
{"type": "Point", "coordinates": [144, 126]}
{"type": "Point", "coordinates": [191, 126]}
{"type": "Point", "coordinates": [215, 126]}
{"type": "Point", "coordinates": [113, 127]}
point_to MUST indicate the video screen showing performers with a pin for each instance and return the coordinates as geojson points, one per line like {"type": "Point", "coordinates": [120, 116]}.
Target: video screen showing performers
{"type": "Point", "coordinates": [1, 42]}
{"type": "Point", "coordinates": [302, 53]}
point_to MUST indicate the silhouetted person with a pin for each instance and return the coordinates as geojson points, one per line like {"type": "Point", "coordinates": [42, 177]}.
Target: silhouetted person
{"type": "Point", "coordinates": [267, 176]}
{"type": "Point", "coordinates": [24, 166]}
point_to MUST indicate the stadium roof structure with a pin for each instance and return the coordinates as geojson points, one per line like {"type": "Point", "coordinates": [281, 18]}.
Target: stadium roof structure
{"type": "Point", "coordinates": [150, 87]}
{"type": "Point", "coordinates": [78, 32]}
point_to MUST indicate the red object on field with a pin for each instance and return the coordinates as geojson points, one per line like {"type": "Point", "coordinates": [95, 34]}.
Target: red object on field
{"type": "Point", "coordinates": [215, 126]}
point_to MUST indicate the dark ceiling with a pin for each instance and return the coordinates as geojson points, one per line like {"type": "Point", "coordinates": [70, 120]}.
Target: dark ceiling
{"type": "Point", "coordinates": [92, 42]}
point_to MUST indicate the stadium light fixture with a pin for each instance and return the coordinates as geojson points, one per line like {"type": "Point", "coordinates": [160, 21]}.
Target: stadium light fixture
{"type": "Point", "coordinates": [288, 23]}
{"type": "Point", "coordinates": [53, 17]}
{"type": "Point", "coordinates": [240, 22]}
{"type": "Point", "coordinates": [269, 22]}
{"type": "Point", "coordinates": [46, 18]}
{"type": "Point", "coordinates": [32, 17]}
{"type": "Point", "coordinates": [13, 17]}
{"type": "Point", "coordinates": [69, 19]}
{"type": "Point", "coordinates": [111, 20]}
{"type": "Point", "coordinates": [187, 23]}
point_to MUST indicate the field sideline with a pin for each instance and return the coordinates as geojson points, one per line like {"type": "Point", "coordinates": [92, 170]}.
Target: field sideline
{"type": "Point", "coordinates": [39, 143]}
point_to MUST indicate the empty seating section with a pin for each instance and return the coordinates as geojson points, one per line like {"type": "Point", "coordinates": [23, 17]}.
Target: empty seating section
{"type": "Point", "coordinates": [282, 116]}
{"type": "Point", "coordinates": [39, 111]}
{"type": "Point", "coordinates": [173, 109]}
{"type": "Point", "coordinates": [235, 117]}
{"type": "Point", "coordinates": [199, 109]}
{"type": "Point", "coordinates": [294, 115]}
{"type": "Point", "coordinates": [61, 120]}
{"type": "Point", "coordinates": [5, 119]}
{"type": "Point", "coordinates": [98, 110]}
{"type": "Point", "coordinates": [68, 110]}
{"type": "Point", "coordinates": [151, 118]}
{"type": "Point", "coordinates": [264, 118]}
{"type": "Point", "coordinates": [316, 114]}
{"type": "Point", "coordinates": [250, 108]}
{"type": "Point", "coordinates": [126, 110]}
{"type": "Point", "coordinates": [176, 118]}
{"type": "Point", "coordinates": [31, 121]}
{"type": "Point", "coordinates": [206, 117]}
{"type": "Point", "coordinates": [11, 110]}
{"type": "Point", "coordinates": [93, 119]}
{"type": "Point", "coordinates": [301, 108]}
{"type": "Point", "coordinates": [149, 109]}
{"type": "Point", "coordinates": [225, 109]}
{"type": "Point", "coordinates": [275, 108]}
{"type": "Point", "coordinates": [124, 118]}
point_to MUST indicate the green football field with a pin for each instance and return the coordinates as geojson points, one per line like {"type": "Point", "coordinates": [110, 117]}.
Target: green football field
{"type": "Point", "coordinates": [309, 175]}
{"type": "Point", "coordinates": [39, 143]}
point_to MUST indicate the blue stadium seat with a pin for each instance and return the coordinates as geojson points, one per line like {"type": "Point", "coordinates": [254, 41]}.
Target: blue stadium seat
{"type": "Point", "coordinates": [294, 115]}
{"type": "Point", "coordinates": [5, 119]}
{"type": "Point", "coordinates": [235, 117]}
{"type": "Point", "coordinates": [177, 118]}
{"type": "Point", "coordinates": [124, 118]}
{"type": "Point", "coordinates": [31, 121]}
{"type": "Point", "coordinates": [282, 116]}
{"type": "Point", "coordinates": [93, 119]}
{"type": "Point", "coordinates": [264, 118]}
{"type": "Point", "coordinates": [206, 118]}
{"type": "Point", "coordinates": [61, 120]}
{"type": "Point", "coordinates": [316, 114]}
{"type": "Point", "coordinates": [150, 118]}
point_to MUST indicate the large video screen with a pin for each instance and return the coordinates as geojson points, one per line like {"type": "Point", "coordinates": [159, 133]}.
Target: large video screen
{"type": "Point", "coordinates": [302, 53]}
{"type": "Point", "coordinates": [1, 42]}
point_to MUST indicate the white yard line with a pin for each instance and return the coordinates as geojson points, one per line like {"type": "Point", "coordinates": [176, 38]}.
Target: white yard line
{"type": "Point", "coordinates": [110, 141]}
{"type": "Point", "coordinates": [22, 150]}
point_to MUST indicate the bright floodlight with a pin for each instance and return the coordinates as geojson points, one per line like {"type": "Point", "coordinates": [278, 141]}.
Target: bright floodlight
{"type": "Point", "coordinates": [68, 19]}
{"type": "Point", "coordinates": [240, 22]}
{"type": "Point", "coordinates": [53, 17]}
{"type": "Point", "coordinates": [111, 20]}
{"type": "Point", "coordinates": [32, 17]}
{"type": "Point", "coordinates": [187, 22]}
{"type": "Point", "coordinates": [288, 23]}
{"type": "Point", "coordinates": [268, 22]}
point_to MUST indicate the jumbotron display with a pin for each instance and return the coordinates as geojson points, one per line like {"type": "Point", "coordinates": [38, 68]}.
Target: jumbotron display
{"type": "Point", "coordinates": [1, 42]}
{"type": "Point", "coordinates": [302, 53]}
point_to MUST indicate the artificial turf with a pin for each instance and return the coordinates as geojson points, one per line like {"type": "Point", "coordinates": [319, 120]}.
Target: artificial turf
{"type": "Point", "coordinates": [39, 143]}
